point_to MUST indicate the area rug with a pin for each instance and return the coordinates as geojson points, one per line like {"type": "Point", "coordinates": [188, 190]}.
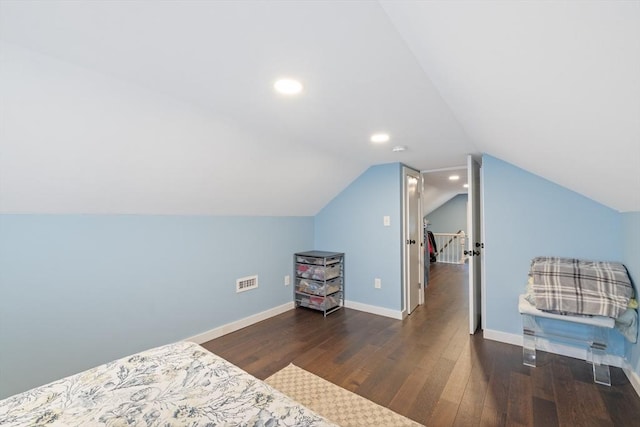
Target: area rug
{"type": "Point", "coordinates": [336, 404]}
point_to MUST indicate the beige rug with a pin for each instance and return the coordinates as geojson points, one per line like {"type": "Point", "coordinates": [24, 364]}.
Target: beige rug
{"type": "Point", "coordinates": [336, 404]}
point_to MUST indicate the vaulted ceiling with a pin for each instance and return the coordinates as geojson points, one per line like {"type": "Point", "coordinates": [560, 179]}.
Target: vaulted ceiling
{"type": "Point", "coordinates": [168, 107]}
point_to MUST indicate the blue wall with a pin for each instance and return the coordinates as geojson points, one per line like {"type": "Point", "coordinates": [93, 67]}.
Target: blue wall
{"type": "Point", "coordinates": [526, 216]}
{"type": "Point", "coordinates": [353, 223]}
{"type": "Point", "coordinates": [631, 259]}
{"type": "Point", "coordinates": [77, 291]}
{"type": "Point", "coordinates": [450, 217]}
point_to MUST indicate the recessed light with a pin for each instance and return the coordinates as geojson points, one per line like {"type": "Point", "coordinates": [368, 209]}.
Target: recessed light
{"type": "Point", "coordinates": [288, 86]}
{"type": "Point", "coordinates": [465, 185]}
{"type": "Point", "coordinates": [399, 148]}
{"type": "Point", "coordinates": [454, 178]}
{"type": "Point", "coordinates": [379, 138]}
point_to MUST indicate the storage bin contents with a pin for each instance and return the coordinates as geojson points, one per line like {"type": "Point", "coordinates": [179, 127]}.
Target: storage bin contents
{"type": "Point", "coordinates": [319, 282]}
{"type": "Point", "coordinates": [320, 303]}
{"type": "Point", "coordinates": [318, 272]}
{"type": "Point", "coordinates": [319, 288]}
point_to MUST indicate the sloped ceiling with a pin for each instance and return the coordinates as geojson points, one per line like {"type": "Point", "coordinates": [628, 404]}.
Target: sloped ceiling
{"type": "Point", "coordinates": [438, 189]}
{"type": "Point", "coordinates": [552, 87]}
{"type": "Point", "coordinates": [168, 107]}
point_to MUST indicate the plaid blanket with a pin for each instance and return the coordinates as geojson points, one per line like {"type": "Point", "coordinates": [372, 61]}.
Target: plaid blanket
{"type": "Point", "coordinates": [568, 285]}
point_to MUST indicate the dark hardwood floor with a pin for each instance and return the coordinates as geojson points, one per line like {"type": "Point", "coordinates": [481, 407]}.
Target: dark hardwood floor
{"type": "Point", "coordinates": [428, 368]}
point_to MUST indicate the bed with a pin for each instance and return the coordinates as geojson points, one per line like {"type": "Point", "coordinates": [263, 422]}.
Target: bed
{"type": "Point", "coordinates": [174, 385]}
{"type": "Point", "coordinates": [595, 294]}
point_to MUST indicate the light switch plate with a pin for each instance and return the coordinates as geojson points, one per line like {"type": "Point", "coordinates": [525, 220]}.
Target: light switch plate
{"type": "Point", "coordinates": [386, 220]}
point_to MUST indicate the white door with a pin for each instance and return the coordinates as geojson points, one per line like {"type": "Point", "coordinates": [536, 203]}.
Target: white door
{"type": "Point", "coordinates": [412, 233]}
{"type": "Point", "coordinates": [474, 243]}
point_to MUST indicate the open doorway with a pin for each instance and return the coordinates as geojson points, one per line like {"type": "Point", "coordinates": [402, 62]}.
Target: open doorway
{"type": "Point", "coordinates": [444, 207]}
{"type": "Point", "coordinates": [451, 226]}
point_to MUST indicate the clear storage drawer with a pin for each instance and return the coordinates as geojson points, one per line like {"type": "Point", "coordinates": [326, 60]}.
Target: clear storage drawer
{"type": "Point", "coordinates": [318, 261]}
{"type": "Point", "coordinates": [320, 303]}
{"type": "Point", "coordinates": [318, 272]}
{"type": "Point", "coordinates": [318, 288]}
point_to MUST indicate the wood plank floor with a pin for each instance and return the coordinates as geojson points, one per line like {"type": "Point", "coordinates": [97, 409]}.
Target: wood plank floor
{"type": "Point", "coordinates": [428, 368]}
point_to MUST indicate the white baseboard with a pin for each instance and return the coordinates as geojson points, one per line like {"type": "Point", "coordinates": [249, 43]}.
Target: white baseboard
{"type": "Point", "coordinates": [373, 309]}
{"type": "Point", "coordinates": [239, 324]}
{"type": "Point", "coordinates": [544, 344]}
{"type": "Point", "coordinates": [634, 378]}
{"type": "Point", "coordinates": [504, 337]}
{"type": "Point", "coordinates": [248, 321]}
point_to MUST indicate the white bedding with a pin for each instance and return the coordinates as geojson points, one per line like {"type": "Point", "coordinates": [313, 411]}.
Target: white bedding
{"type": "Point", "coordinates": [175, 385]}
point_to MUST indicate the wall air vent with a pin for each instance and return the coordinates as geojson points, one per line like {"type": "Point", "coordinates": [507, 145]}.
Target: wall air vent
{"type": "Point", "coordinates": [246, 283]}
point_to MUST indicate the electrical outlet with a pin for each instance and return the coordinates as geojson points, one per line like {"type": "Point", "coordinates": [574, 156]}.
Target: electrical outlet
{"type": "Point", "coordinates": [287, 280]}
{"type": "Point", "coordinates": [377, 283]}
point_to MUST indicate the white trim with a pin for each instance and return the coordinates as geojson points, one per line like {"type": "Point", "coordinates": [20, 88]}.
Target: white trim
{"type": "Point", "coordinates": [423, 279]}
{"type": "Point", "coordinates": [239, 324]}
{"type": "Point", "coordinates": [406, 257]}
{"type": "Point", "coordinates": [513, 339]}
{"type": "Point", "coordinates": [452, 168]}
{"type": "Point", "coordinates": [404, 291]}
{"type": "Point", "coordinates": [373, 309]}
{"type": "Point", "coordinates": [483, 258]}
{"type": "Point", "coordinates": [474, 236]}
{"type": "Point", "coordinates": [634, 378]}
{"type": "Point", "coordinates": [544, 344]}
{"type": "Point", "coordinates": [248, 321]}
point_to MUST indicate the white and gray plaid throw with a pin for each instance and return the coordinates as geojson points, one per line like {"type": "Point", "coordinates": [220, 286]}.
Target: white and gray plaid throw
{"type": "Point", "coordinates": [575, 286]}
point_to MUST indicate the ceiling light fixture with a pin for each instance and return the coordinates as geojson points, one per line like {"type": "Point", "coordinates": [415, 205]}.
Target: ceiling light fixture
{"type": "Point", "coordinates": [379, 138]}
{"type": "Point", "coordinates": [399, 148]}
{"type": "Point", "coordinates": [288, 86]}
{"type": "Point", "coordinates": [454, 178]}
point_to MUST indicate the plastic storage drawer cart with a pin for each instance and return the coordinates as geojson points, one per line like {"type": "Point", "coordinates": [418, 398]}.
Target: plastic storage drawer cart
{"type": "Point", "coordinates": [319, 282]}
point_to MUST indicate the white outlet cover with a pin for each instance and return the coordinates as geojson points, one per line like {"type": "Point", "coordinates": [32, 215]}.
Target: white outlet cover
{"type": "Point", "coordinates": [377, 283]}
{"type": "Point", "coordinates": [287, 280]}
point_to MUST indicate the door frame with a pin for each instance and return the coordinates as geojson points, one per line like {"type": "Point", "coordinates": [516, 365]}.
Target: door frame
{"type": "Point", "coordinates": [483, 293]}
{"type": "Point", "coordinates": [483, 304]}
{"type": "Point", "coordinates": [475, 245]}
{"type": "Point", "coordinates": [406, 171]}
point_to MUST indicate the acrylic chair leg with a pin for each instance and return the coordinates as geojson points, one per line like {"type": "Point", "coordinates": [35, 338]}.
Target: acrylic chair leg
{"type": "Point", "coordinates": [529, 328]}
{"type": "Point", "coordinates": [596, 355]}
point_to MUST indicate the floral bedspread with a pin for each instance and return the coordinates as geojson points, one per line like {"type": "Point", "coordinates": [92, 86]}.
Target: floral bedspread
{"type": "Point", "coordinates": [179, 384]}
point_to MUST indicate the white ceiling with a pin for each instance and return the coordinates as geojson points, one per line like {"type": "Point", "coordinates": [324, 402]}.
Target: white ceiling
{"type": "Point", "coordinates": [438, 189]}
{"type": "Point", "coordinates": [168, 108]}
{"type": "Point", "coordinates": [552, 87]}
